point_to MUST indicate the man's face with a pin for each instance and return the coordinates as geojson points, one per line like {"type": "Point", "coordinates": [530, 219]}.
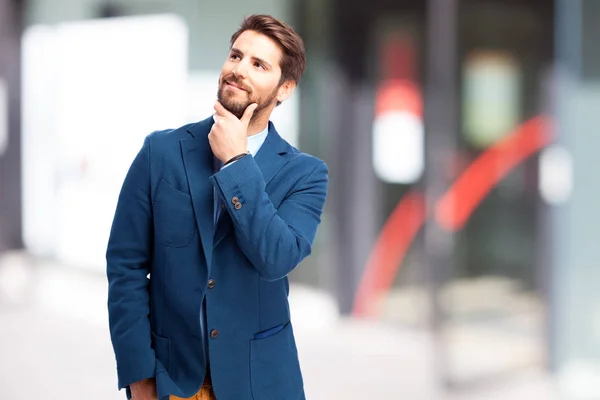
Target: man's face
{"type": "Point", "coordinates": [251, 74]}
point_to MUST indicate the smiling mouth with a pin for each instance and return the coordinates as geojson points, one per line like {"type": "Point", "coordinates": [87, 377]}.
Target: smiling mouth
{"type": "Point", "coordinates": [233, 85]}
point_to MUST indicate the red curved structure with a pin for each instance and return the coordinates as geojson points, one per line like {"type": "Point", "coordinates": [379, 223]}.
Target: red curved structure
{"type": "Point", "coordinates": [391, 247]}
{"type": "Point", "coordinates": [452, 211]}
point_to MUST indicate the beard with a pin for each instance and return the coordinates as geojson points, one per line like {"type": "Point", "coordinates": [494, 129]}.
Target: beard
{"type": "Point", "coordinates": [237, 106]}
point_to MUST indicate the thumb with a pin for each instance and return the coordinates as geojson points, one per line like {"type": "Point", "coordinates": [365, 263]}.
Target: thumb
{"type": "Point", "coordinates": [248, 113]}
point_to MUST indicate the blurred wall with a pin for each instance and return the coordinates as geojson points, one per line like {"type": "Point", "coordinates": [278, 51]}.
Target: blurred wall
{"type": "Point", "coordinates": [211, 23]}
{"type": "Point", "coordinates": [10, 125]}
{"type": "Point", "coordinates": [575, 300]}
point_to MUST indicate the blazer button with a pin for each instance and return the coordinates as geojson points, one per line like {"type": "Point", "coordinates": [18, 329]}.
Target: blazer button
{"type": "Point", "coordinates": [214, 334]}
{"type": "Point", "coordinates": [235, 200]}
{"type": "Point", "coordinates": [237, 205]}
{"type": "Point", "coordinates": [211, 283]}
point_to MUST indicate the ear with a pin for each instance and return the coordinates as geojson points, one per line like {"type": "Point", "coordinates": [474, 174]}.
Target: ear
{"type": "Point", "coordinates": [285, 90]}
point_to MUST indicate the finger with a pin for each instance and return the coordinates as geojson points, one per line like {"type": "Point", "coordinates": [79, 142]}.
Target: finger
{"type": "Point", "coordinates": [220, 122]}
{"type": "Point", "coordinates": [222, 111]}
{"type": "Point", "coordinates": [248, 113]}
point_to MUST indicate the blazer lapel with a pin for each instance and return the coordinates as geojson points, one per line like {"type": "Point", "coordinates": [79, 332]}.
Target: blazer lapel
{"type": "Point", "coordinates": [271, 157]}
{"type": "Point", "coordinates": [198, 161]}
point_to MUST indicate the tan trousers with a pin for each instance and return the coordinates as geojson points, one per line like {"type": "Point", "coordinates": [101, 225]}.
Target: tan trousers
{"type": "Point", "coordinates": [205, 393]}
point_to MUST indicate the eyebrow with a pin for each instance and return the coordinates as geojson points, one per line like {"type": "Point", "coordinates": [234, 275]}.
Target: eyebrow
{"type": "Point", "coordinates": [260, 60]}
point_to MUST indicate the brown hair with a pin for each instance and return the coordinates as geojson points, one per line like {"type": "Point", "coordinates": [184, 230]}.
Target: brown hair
{"type": "Point", "coordinates": [293, 62]}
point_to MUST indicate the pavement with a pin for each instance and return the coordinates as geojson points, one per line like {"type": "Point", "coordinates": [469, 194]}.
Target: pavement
{"type": "Point", "coordinates": [54, 344]}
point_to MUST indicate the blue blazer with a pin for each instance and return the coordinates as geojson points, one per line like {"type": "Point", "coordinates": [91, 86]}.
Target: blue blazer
{"type": "Point", "coordinates": [164, 226]}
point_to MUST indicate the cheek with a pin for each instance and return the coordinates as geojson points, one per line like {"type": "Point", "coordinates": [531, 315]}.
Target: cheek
{"type": "Point", "coordinates": [225, 70]}
{"type": "Point", "coordinates": [265, 88]}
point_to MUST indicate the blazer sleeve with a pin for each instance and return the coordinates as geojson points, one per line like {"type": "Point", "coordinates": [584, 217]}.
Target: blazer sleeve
{"type": "Point", "coordinates": [128, 263]}
{"type": "Point", "coordinates": [275, 240]}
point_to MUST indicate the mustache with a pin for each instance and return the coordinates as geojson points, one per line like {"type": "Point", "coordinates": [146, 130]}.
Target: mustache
{"type": "Point", "coordinates": [231, 78]}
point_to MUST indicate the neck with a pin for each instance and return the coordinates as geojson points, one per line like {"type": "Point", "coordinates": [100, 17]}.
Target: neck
{"type": "Point", "coordinates": [258, 124]}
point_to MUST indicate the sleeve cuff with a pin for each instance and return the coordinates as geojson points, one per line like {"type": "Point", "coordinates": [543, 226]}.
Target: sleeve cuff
{"type": "Point", "coordinates": [238, 173]}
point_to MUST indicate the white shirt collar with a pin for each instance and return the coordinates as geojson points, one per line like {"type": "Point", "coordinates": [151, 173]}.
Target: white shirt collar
{"type": "Point", "coordinates": [255, 142]}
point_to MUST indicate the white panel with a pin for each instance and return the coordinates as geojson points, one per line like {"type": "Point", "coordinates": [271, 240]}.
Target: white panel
{"type": "Point", "coordinates": [556, 175]}
{"type": "Point", "coordinates": [38, 132]}
{"type": "Point", "coordinates": [398, 147]}
{"type": "Point", "coordinates": [492, 89]}
{"type": "Point", "coordinates": [113, 82]}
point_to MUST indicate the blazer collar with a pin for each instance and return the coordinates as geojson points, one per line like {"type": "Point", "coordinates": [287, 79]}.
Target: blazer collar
{"type": "Point", "coordinates": [270, 157]}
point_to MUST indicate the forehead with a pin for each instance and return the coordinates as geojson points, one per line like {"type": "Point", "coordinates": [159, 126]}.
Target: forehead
{"type": "Point", "coordinates": [254, 44]}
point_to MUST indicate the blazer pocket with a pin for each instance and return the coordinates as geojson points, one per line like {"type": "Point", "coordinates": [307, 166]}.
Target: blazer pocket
{"type": "Point", "coordinates": [269, 332]}
{"type": "Point", "coordinates": [174, 222]}
{"type": "Point", "coordinates": [274, 367]}
{"type": "Point", "coordinates": [162, 349]}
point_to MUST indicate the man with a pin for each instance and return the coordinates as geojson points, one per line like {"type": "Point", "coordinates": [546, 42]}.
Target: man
{"type": "Point", "coordinates": [211, 219]}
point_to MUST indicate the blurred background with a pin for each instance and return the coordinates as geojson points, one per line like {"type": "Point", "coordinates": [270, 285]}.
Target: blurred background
{"type": "Point", "coordinates": [459, 253]}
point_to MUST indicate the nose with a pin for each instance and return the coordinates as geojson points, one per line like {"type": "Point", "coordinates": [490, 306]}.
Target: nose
{"type": "Point", "coordinates": [241, 69]}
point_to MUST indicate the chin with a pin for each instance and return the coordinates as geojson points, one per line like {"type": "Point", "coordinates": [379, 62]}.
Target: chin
{"type": "Point", "coordinates": [236, 109]}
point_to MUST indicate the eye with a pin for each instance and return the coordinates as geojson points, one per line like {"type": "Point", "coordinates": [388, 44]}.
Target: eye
{"type": "Point", "coordinates": [259, 65]}
{"type": "Point", "coordinates": [234, 57]}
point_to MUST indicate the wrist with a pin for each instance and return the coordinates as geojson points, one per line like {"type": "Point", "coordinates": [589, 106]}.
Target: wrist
{"type": "Point", "coordinates": [229, 155]}
{"type": "Point", "coordinates": [142, 382]}
{"type": "Point", "coordinates": [236, 158]}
